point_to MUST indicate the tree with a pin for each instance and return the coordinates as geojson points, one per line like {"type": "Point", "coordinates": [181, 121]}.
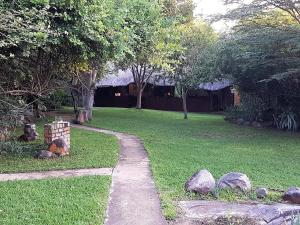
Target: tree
{"type": "Point", "coordinates": [48, 38]}
{"type": "Point", "coordinates": [262, 7]}
{"type": "Point", "coordinates": [262, 57]}
{"type": "Point", "coordinates": [193, 67]}
{"type": "Point", "coordinates": [262, 47]}
{"type": "Point", "coordinates": [151, 44]}
{"type": "Point", "coordinates": [180, 10]}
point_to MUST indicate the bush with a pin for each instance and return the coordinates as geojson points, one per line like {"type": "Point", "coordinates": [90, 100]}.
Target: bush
{"type": "Point", "coordinates": [19, 148]}
{"type": "Point", "coordinates": [287, 120]}
{"type": "Point", "coordinates": [54, 101]}
{"type": "Point", "coordinates": [11, 114]}
{"type": "Point", "coordinates": [13, 148]}
{"type": "Point", "coordinates": [252, 108]}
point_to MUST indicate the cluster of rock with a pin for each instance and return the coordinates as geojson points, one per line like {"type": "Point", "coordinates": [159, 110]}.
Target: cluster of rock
{"type": "Point", "coordinates": [30, 133]}
{"type": "Point", "coordinates": [203, 182]}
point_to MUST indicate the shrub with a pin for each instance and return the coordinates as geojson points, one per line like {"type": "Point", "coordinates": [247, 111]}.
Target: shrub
{"type": "Point", "coordinates": [54, 101]}
{"type": "Point", "coordinates": [252, 108]}
{"type": "Point", "coordinates": [11, 114]}
{"type": "Point", "coordinates": [13, 148]}
{"type": "Point", "coordinates": [19, 148]}
{"type": "Point", "coordinates": [287, 120]}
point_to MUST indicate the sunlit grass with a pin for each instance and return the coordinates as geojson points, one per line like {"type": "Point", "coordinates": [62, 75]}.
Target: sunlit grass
{"type": "Point", "coordinates": [177, 148]}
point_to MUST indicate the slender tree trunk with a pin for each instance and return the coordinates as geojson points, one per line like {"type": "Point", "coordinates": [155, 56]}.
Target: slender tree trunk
{"type": "Point", "coordinates": [88, 93]}
{"type": "Point", "coordinates": [185, 111]}
{"type": "Point", "coordinates": [36, 110]}
{"type": "Point", "coordinates": [139, 98]}
{"type": "Point", "coordinates": [75, 101]}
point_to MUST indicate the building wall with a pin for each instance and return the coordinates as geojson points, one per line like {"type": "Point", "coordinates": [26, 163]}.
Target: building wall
{"type": "Point", "coordinates": [163, 98]}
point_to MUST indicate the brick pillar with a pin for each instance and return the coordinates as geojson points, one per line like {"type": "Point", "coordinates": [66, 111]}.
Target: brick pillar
{"type": "Point", "coordinates": [57, 130]}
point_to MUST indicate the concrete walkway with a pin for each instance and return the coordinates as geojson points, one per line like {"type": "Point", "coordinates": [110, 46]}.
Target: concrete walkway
{"type": "Point", "coordinates": [56, 174]}
{"type": "Point", "coordinates": [133, 198]}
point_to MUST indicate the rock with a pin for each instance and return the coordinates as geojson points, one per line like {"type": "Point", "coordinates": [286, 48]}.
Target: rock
{"type": "Point", "coordinates": [235, 181]}
{"type": "Point", "coordinates": [246, 123]}
{"type": "Point", "coordinates": [85, 115]}
{"type": "Point", "coordinates": [261, 192]}
{"type": "Point", "coordinates": [292, 195]}
{"type": "Point", "coordinates": [80, 117]}
{"type": "Point", "coordinates": [201, 182]}
{"type": "Point", "coordinates": [256, 124]}
{"type": "Point", "coordinates": [58, 147]}
{"type": "Point", "coordinates": [30, 133]}
{"type": "Point", "coordinates": [45, 155]}
{"type": "Point", "coordinates": [240, 121]}
{"type": "Point", "coordinates": [267, 124]}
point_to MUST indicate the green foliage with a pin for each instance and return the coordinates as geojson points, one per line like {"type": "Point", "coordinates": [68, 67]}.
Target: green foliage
{"type": "Point", "coordinates": [262, 53]}
{"type": "Point", "coordinates": [287, 120]}
{"type": "Point", "coordinates": [42, 41]}
{"type": "Point", "coordinates": [18, 148]}
{"type": "Point", "coordinates": [152, 39]}
{"type": "Point", "coordinates": [181, 11]}
{"type": "Point", "coordinates": [196, 38]}
{"type": "Point", "coordinates": [245, 10]}
{"type": "Point", "coordinates": [252, 108]}
{"type": "Point", "coordinates": [55, 101]}
{"type": "Point", "coordinates": [11, 113]}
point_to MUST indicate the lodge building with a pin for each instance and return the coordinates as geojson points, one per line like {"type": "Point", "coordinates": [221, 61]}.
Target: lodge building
{"type": "Point", "coordinates": [120, 91]}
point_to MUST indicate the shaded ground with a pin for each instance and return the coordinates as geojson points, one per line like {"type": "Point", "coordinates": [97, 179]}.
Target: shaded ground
{"type": "Point", "coordinates": [177, 148]}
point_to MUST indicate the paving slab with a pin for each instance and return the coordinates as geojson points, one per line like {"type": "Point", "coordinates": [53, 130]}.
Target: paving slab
{"type": "Point", "coordinates": [56, 174]}
{"type": "Point", "coordinates": [199, 212]}
{"type": "Point", "coordinates": [133, 199]}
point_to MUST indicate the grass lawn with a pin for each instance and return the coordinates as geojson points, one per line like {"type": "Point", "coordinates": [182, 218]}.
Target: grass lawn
{"type": "Point", "coordinates": [177, 148]}
{"type": "Point", "coordinates": [88, 150]}
{"type": "Point", "coordinates": [75, 201]}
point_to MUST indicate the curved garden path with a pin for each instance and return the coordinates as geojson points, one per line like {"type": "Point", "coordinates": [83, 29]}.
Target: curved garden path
{"type": "Point", "coordinates": [56, 174]}
{"type": "Point", "coordinates": [133, 197]}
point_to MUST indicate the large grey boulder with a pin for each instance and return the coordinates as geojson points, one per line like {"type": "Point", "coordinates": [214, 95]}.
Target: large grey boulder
{"type": "Point", "coordinates": [235, 181]}
{"type": "Point", "coordinates": [201, 182]}
{"type": "Point", "coordinates": [292, 195]}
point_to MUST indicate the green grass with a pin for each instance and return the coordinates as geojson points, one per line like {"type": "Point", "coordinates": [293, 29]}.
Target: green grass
{"type": "Point", "coordinates": [88, 150]}
{"type": "Point", "coordinates": [75, 201]}
{"type": "Point", "coordinates": [177, 148]}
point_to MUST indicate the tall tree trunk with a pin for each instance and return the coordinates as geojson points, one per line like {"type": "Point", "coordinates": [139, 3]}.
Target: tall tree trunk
{"type": "Point", "coordinates": [139, 98]}
{"type": "Point", "coordinates": [185, 111]}
{"type": "Point", "coordinates": [88, 92]}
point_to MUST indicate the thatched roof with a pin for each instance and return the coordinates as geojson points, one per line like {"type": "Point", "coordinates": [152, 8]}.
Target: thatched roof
{"type": "Point", "coordinates": [124, 78]}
